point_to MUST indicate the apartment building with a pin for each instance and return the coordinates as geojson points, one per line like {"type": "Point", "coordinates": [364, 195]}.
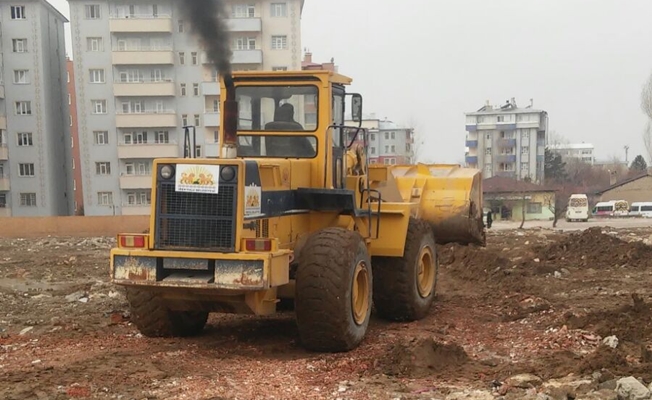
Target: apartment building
{"type": "Point", "coordinates": [34, 128]}
{"type": "Point", "coordinates": [389, 143]}
{"type": "Point", "coordinates": [575, 151]}
{"type": "Point", "coordinates": [77, 184]}
{"type": "Point", "coordinates": [141, 76]}
{"type": "Point", "coordinates": [507, 141]}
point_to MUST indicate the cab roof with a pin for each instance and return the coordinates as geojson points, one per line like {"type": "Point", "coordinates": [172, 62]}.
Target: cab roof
{"type": "Point", "coordinates": [331, 76]}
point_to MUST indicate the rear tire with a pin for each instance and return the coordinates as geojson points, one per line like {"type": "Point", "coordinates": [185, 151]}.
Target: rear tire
{"type": "Point", "coordinates": [405, 288]}
{"type": "Point", "coordinates": [334, 291]}
{"type": "Point", "coordinates": [154, 319]}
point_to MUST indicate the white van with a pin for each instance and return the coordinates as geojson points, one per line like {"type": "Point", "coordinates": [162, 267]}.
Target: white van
{"type": "Point", "coordinates": [612, 208]}
{"type": "Point", "coordinates": [578, 208]}
{"type": "Point", "coordinates": [643, 209]}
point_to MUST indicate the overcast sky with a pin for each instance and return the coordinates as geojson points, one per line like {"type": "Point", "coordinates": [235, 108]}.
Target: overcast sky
{"type": "Point", "coordinates": [430, 61]}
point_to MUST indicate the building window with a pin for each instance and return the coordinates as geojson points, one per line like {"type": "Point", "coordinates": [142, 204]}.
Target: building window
{"type": "Point", "coordinates": [244, 43]}
{"type": "Point", "coordinates": [69, 99]}
{"type": "Point", "coordinates": [103, 168]}
{"type": "Point", "coordinates": [534, 208]}
{"type": "Point", "coordinates": [183, 89]}
{"type": "Point", "coordinates": [386, 149]}
{"type": "Point", "coordinates": [73, 164]}
{"type": "Point", "coordinates": [393, 149]}
{"type": "Point", "coordinates": [198, 151]}
{"type": "Point", "coordinates": [105, 198]}
{"type": "Point", "coordinates": [216, 106]}
{"type": "Point", "coordinates": [525, 150]}
{"type": "Point", "coordinates": [373, 137]}
{"type": "Point", "coordinates": [101, 137]}
{"type": "Point", "coordinates": [97, 75]}
{"type": "Point", "coordinates": [216, 136]}
{"type": "Point", "coordinates": [26, 170]}
{"type": "Point", "coordinates": [21, 76]}
{"type": "Point", "coordinates": [68, 76]}
{"type": "Point", "coordinates": [182, 58]}
{"type": "Point", "coordinates": [99, 106]}
{"type": "Point", "coordinates": [23, 108]}
{"type": "Point", "coordinates": [18, 12]}
{"type": "Point", "coordinates": [501, 118]}
{"type": "Point", "coordinates": [393, 135]}
{"type": "Point", "coordinates": [279, 10]}
{"type": "Point", "coordinates": [279, 42]}
{"type": "Point", "coordinates": [28, 199]}
{"type": "Point", "coordinates": [25, 139]}
{"type": "Point", "coordinates": [3, 200]}
{"type": "Point", "coordinates": [19, 45]}
{"type": "Point", "coordinates": [74, 182]}
{"type": "Point", "coordinates": [195, 89]}
{"type": "Point", "coordinates": [94, 44]}
{"type": "Point", "coordinates": [244, 11]}
{"type": "Point", "coordinates": [373, 150]}
{"type": "Point", "coordinates": [92, 11]}
{"type": "Point", "coordinates": [194, 57]}
{"type": "Point", "coordinates": [129, 169]}
{"type": "Point", "coordinates": [161, 137]}
{"type": "Point", "coordinates": [197, 121]}
{"type": "Point", "coordinates": [138, 198]}
{"type": "Point", "coordinates": [487, 151]}
{"type": "Point", "coordinates": [184, 120]}
{"type": "Point", "coordinates": [279, 68]}
{"type": "Point", "coordinates": [386, 135]}
{"type": "Point", "coordinates": [180, 26]}
{"type": "Point", "coordinates": [70, 120]}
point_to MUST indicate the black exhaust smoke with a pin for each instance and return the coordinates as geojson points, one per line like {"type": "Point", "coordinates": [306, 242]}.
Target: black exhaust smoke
{"type": "Point", "coordinates": [208, 21]}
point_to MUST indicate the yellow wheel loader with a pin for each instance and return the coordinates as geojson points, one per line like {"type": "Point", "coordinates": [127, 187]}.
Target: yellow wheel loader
{"type": "Point", "coordinates": [292, 210]}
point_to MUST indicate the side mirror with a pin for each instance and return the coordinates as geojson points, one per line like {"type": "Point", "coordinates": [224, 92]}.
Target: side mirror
{"type": "Point", "coordinates": [356, 107]}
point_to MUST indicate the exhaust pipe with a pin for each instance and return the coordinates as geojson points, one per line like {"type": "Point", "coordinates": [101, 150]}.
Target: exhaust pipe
{"type": "Point", "coordinates": [230, 120]}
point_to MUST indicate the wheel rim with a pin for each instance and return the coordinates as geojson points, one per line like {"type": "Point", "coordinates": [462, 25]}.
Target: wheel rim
{"type": "Point", "coordinates": [360, 293]}
{"type": "Point", "coordinates": [425, 272]}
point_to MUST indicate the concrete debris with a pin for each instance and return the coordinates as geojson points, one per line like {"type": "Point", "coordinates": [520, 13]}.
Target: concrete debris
{"type": "Point", "coordinates": [611, 341]}
{"type": "Point", "coordinates": [470, 395]}
{"type": "Point", "coordinates": [77, 296]}
{"type": "Point", "coordinates": [24, 331]}
{"type": "Point", "coordinates": [523, 381]}
{"type": "Point", "coordinates": [631, 389]}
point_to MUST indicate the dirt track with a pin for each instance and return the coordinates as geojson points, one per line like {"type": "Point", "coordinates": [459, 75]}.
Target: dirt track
{"type": "Point", "coordinates": [533, 301]}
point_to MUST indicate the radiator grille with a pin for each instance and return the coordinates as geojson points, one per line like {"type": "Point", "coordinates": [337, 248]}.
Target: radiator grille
{"type": "Point", "coordinates": [188, 221]}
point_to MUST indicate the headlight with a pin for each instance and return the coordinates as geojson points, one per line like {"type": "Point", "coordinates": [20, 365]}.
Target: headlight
{"type": "Point", "coordinates": [227, 173]}
{"type": "Point", "coordinates": [167, 172]}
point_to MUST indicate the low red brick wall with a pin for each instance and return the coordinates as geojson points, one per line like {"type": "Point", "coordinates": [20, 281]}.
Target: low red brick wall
{"type": "Point", "coordinates": [29, 227]}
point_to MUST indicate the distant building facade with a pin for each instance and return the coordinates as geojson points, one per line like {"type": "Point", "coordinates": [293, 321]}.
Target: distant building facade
{"type": "Point", "coordinates": [77, 184]}
{"type": "Point", "coordinates": [389, 143]}
{"type": "Point", "coordinates": [142, 75]}
{"type": "Point", "coordinates": [578, 151]}
{"type": "Point", "coordinates": [35, 159]}
{"type": "Point", "coordinates": [507, 141]}
{"type": "Point", "coordinates": [308, 65]}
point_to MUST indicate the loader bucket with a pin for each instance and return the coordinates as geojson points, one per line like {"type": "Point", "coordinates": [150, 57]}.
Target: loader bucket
{"type": "Point", "coordinates": [449, 197]}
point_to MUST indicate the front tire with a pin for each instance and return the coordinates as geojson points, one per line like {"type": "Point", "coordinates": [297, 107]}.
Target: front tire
{"type": "Point", "coordinates": [405, 288]}
{"type": "Point", "coordinates": [154, 319]}
{"type": "Point", "coordinates": [334, 291]}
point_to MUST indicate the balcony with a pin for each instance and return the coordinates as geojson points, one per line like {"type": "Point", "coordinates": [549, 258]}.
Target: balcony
{"type": "Point", "coordinates": [4, 153]}
{"type": "Point", "coordinates": [505, 158]}
{"type": "Point", "coordinates": [3, 122]}
{"type": "Point", "coordinates": [240, 57]}
{"type": "Point", "coordinates": [472, 144]}
{"type": "Point", "coordinates": [144, 56]}
{"type": "Point", "coordinates": [471, 128]}
{"type": "Point", "coordinates": [136, 182]}
{"type": "Point", "coordinates": [128, 151]}
{"type": "Point", "coordinates": [129, 209]}
{"type": "Point", "coordinates": [211, 118]}
{"type": "Point", "coordinates": [5, 212]}
{"type": "Point", "coordinates": [140, 23]}
{"type": "Point", "coordinates": [145, 88]}
{"type": "Point", "coordinates": [212, 150]}
{"type": "Point", "coordinates": [210, 88]}
{"type": "Point", "coordinates": [471, 159]}
{"type": "Point", "coordinates": [148, 119]}
{"type": "Point", "coordinates": [244, 24]}
{"type": "Point", "coordinates": [506, 126]}
{"type": "Point", "coordinates": [5, 185]}
{"type": "Point", "coordinates": [506, 142]}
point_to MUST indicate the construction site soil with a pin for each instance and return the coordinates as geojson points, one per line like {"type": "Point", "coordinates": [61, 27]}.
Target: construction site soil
{"type": "Point", "coordinates": [511, 320]}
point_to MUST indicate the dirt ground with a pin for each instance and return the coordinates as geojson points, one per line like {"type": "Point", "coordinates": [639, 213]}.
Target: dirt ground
{"type": "Point", "coordinates": [536, 302]}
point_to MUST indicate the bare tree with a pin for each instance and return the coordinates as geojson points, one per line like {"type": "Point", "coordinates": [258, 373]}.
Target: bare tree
{"type": "Point", "coordinates": [646, 106]}
{"type": "Point", "coordinates": [419, 143]}
{"type": "Point", "coordinates": [557, 202]}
